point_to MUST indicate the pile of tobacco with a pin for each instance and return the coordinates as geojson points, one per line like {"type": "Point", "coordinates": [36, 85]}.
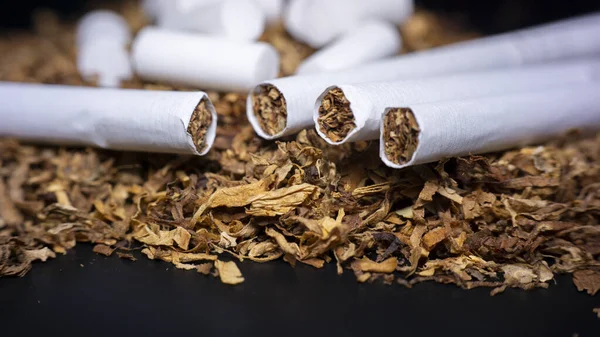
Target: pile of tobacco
{"type": "Point", "coordinates": [513, 219]}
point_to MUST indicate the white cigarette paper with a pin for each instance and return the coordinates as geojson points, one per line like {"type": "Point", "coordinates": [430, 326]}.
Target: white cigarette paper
{"type": "Point", "coordinates": [102, 39]}
{"type": "Point", "coordinates": [236, 19]}
{"type": "Point", "coordinates": [430, 132]}
{"type": "Point", "coordinates": [202, 61]}
{"type": "Point", "coordinates": [293, 97]}
{"type": "Point", "coordinates": [359, 118]}
{"type": "Point", "coordinates": [154, 8]}
{"type": "Point", "coordinates": [102, 24]}
{"type": "Point", "coordinates": [273, 9]}
{"type": "Point", "coordinates": [369, 42]}
{"type": "Point", "coordinates": [318, 22]}
{"type": "Point", "coordinates": [118, 119]}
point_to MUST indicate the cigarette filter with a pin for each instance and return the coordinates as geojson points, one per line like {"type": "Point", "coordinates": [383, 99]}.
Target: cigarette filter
{"type": "Point", "coordinates": [118, 119]}
{"type": "Point", "coordinates": [423, 133]}
{"type": "Point", "coordinates": [318, 22]}
{"type": "Point", "coordinates": [369, 42]}
{"type": "Point", "coordinates": [235, 19]}
{"type": "Point", "coordinates": [353, 112]}
{"type": "Point", "coordinates": [284, 106]}
{"type": "Point", "coordinates": [202, 61]}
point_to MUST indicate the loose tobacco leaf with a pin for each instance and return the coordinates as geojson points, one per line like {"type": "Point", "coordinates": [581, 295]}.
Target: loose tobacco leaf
{"type": "Point", "coordinates": [229, 272]}
{"type": "Point", "coordinates": [103, 249]}
{"type": "Point", "coordinates": [587, 280]}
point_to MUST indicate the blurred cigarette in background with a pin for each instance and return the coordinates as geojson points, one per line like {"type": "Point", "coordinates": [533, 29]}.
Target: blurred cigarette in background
{"type": "Point", "coordinates": [273, 9]}
{"type": "Point", "coordinates": [235, 19]}
{"type": "Point", "coordinates": [202, 61]}
{"type": "Point", "coordinates": [346, 113]}
{"type": "Point", "coordinates": [369, 42]}
{"type": "Point", "coordinates": [117, 119]}
{"type": "Point", "coordinates": [423, 133]}
{"type": "Point", "coordinates": [102, 39]}
{"type": "Point", "coordinates": [285, 106]}
{"type": "Point", "coordinates": [154, 8]}
{"type": "Point", "coordinates": [318, 22]}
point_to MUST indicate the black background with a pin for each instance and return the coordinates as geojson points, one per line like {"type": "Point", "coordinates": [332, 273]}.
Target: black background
{"type": "Point", "coordinates": [491, 16]}
{"type": "Point", "coordinates": [84, 294]}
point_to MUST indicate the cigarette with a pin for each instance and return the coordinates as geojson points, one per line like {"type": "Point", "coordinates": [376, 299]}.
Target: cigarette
{"type": "Point", "coordinates": [345, 113]}
{"type": "Point", "coordinates": [283, 106]}
{"type": "Point", "coordinates": [318, 22]}
{"type": "Point", "coordinates": [154, 8]}
{"type": "Point", "coordinates": [273, 9]}
{"type": "Point", "coordinates": [236, 19]}
{"type": "Point", "coordinates": [429, 132]}
{"type": "Point", "coordinates": [102, 24]}
{"type": "Point", "coordinates": [102, 38]}
{"type": "Point", "coordinates": [117, 119]}
{"type": "Point", "coordinates": [371, 41]}
{"type": "Point", "coordinates": [202, 61]}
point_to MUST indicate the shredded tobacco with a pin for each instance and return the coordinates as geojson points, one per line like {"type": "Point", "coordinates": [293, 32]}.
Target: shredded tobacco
{"type": "Point", "coordinates": [400, 134]}
{"type": "Point", "coordinates": [199, 122]}
{"type": "Point", "coordinates": [336, 119]}
{"type": "Point", "coordinates": [270, 109]}
{"type": "Point", "coordinates": [510, 219]}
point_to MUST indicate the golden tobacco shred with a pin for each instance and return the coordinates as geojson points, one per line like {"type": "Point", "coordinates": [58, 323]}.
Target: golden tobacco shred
{"type": "Point", "coordinates": [511, 219]}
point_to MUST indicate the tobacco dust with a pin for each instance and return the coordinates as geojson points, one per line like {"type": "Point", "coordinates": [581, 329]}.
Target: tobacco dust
{"type": "Point", "coordinates": [510, 219]}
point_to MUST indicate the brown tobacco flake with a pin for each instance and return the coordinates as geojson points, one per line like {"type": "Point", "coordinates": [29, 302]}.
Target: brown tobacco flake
{"type": "Point", "coordinates": [270, 109]}
{"type": "Point", "coordinates": [128, 256]}
{"type": "Point", "coordinates": [366, 265]}
{"type": "Point", "coordinates": [103, 249]}
{"type": "Point", "coordinates": [199, 123]}
{"type": "Point", "coordinates": [596, 311]}
{"type": "Point", "coordinates": [401, 135]}
{"type": "Point", "coordinates": [229, 272]}
{"type": "Point", "coordinates": [336, 119]}
{"type": "Point", "coordinates": [587, 280]}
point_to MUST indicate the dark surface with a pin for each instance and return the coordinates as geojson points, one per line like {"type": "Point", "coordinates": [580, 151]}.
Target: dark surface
{"type": "Point", "coordinates": [108, 296]}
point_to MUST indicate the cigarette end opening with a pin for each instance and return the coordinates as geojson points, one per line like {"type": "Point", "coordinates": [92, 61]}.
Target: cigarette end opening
{"type": "Point", "coordinates": [199, 124]}
{"type": "Point", "coordinates": [336, 119]}
{"type": "Point", "coordinates": [270, 109]}
{"type": "Point", "coordinates": [400, 134]}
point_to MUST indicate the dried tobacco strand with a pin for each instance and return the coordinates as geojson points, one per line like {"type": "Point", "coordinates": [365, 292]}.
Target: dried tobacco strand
{"type": "Point", "coordinates": [400, 135]}
{"type": "Point", "coordinates": [336, 119]}
{"type": "Point", "coordinates": [200, 121]}
{"type": "Point", "coordinates": [270, 110]}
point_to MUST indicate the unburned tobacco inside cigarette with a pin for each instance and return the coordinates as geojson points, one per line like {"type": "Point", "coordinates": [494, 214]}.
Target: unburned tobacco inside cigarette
{"type": "Point", "coordinates": [199, 123]}
{"type": "Point", "coordinates": [336, 119]}
{"type": "Point", "coordinates": [400, 134]}
{"type": "Point", "coordinates": [270, 109]}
